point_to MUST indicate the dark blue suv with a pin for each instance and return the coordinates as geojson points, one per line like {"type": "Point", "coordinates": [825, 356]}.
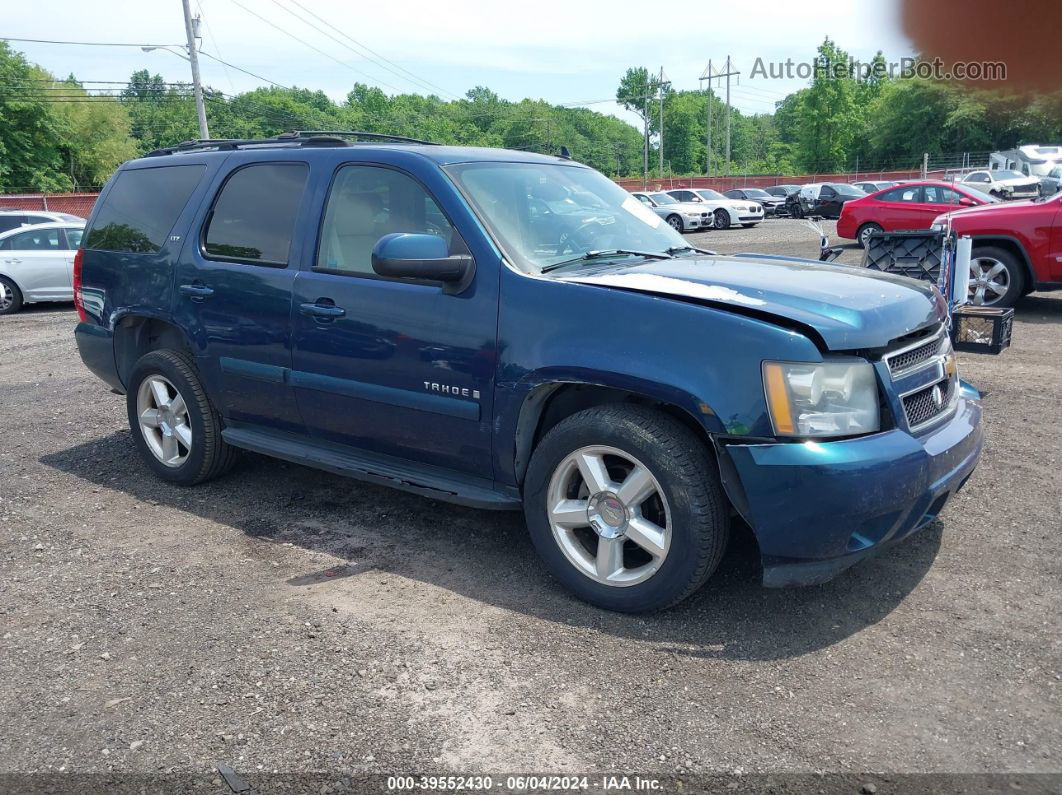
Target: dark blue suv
{"type": "Point", "coordinates": [511, 330]}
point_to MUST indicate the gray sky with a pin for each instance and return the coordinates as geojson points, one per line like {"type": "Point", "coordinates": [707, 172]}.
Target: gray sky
{"type": "Point", "coordinates": [563, 52]}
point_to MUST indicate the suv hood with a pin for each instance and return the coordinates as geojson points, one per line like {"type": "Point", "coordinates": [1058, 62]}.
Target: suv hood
{"type": "Point", "coordinates": [847, 307]}
{"type": "Point", "coordinates": [997, 209]}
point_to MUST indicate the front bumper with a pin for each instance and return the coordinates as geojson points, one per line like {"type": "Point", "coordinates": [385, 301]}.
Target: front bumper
{"type": "Point", "coordinates": [819, 507]}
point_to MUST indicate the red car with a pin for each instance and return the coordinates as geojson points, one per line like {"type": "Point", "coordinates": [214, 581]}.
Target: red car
{"type": "Point", "coordinates": [912, 205]}
{"type": "Point", "coordinates": [1017, 248]}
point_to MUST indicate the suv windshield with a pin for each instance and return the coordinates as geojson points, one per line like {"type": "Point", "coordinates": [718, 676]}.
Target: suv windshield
{"type": "Point", "coordinates": [521, 205]}
{"type": "Point", "coordinates": [1007, 175]}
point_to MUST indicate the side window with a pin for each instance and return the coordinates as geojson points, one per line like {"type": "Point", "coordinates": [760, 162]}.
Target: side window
{"type": "Point", "coordinates": [827, 192]}
{"type": "Point", "coordinates": [38, 219]}
{"type": "Point", "coordinates": [73, 238]}
{"type": "Point", "coordinates": [8, 222]}
{"type": "Point", "coordinates": [1025, 169]}
{"type": "Point", "coordinates": [936, 194]}
{"type": "Point", "coordinates": [979, 177]}
{"type": "Point", "coordinates": [253, 217]}
{"type": "Point", "coordinates": [36, 240]}
{"type": "Point", "coordinates": [643, 199]}
{"type": "Point", "coordinates": [141, 208]}
{"type": "Point", "coordinates": [368, 202]}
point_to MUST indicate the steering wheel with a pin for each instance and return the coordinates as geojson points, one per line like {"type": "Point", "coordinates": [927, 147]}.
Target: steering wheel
{"type": "Point", "coordinates": [585, 237]}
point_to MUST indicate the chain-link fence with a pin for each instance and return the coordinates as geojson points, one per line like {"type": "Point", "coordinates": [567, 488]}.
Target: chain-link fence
{"type": "Point", "coordinates": [79, 204]}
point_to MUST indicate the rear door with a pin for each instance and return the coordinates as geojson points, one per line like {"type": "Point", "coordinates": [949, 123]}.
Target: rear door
{"type": "Point", "coordinates": [233, 288]}
{"type": "Point", "coordinates": [900, 208]}
{"type": "Point", "coordinates": [393, 367]}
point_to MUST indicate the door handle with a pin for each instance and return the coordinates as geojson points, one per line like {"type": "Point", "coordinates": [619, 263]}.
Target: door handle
{"type": "Point", "coordinates": [12, 261]}
{"type": "Point", "coordinates": [197, 290]}
{"type": "Point", "coordinates": [322, 311]}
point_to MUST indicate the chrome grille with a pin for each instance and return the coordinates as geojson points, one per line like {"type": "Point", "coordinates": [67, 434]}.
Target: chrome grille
{"type": "Point", "coordinates": [912, 357]}
{"type": "Point", "coordinates": [920, 407]}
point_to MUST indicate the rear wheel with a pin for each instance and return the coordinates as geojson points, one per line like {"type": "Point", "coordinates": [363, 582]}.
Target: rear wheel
{"type": "Point", "coordinates": [174, 424]}
{"type": "Point", "coordinates": [996, 277]}
{"type": "Point", "coordinates": [865, 231]}
{"type": "Point", "coordinates": [722, 219]}
{"type": "Point", "coordinates": [675, 223]}
{"type": "Point", "coordinates": [625, 507]}
{"type": "Point", "coordinates": [10, 297]}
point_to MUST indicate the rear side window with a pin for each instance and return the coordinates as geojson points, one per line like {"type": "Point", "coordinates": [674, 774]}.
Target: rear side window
{"type": "Point", "coordinates": [34, 240]}
{"type": "Point", "coordinates": [141, 208]}
{"type": "Point", "coordinates": [253, 217]}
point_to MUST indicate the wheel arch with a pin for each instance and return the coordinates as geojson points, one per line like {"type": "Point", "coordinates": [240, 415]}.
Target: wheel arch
{"type": "Point", "coordinates": [549, 402]}
{"type": "Point", "coordinates": [136, 335]}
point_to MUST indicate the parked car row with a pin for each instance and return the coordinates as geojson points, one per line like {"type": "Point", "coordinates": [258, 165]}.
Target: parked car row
{"type": "Point", "coordinates": [37, 259]}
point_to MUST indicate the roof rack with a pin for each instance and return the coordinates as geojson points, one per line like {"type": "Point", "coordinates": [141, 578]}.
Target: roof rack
{"type": "Point", "coordinates": [293, 138]}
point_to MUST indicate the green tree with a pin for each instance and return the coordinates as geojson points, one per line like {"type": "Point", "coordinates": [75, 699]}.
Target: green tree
{"type": "Point", "coordinates": [31, 157]}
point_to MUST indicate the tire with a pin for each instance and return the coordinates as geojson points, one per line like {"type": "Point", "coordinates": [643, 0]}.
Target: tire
{"type": "Point", "coordinates": [10, 297]}
{"type": "Point", "coordinates": [199, 452]}
{"type": "Point", "coordinates": [722, 219]}
{"type": "Point", "coordinates": [865, 231]}
{"type": "Point", "coordinates": [685, 503]}
{"type": "Point", "coordinates": [991, 268]}
{"type": "Point", "coordinates": [676, 223]}
{"type": "Point", "coordinates": [798, 212]}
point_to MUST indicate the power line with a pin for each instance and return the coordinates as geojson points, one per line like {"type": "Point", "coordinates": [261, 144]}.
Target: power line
{"type": "Point", "coordinates": [414, 80]}
{"type": "Point", "coordinates": [245, 71]}
{"type": "Point", "coordinates": [89, 43]}
{"type": "Point", "coordinates": [374, 52]}
{"type": "Point", "coordinates": [312, 47]}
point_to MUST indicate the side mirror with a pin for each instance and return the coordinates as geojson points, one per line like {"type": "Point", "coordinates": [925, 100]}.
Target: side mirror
{"type": "Point", "coordinates": [417, 256]}
{"type": "Point", "coordinates": [966, 201]}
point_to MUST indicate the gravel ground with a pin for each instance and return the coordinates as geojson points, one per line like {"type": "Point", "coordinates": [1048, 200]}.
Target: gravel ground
{"type": "Point", "coordinates": [286, 619]}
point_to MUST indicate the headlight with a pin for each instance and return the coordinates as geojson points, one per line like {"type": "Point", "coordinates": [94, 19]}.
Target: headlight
{"type": "Point", "coordinates": [836, 398]}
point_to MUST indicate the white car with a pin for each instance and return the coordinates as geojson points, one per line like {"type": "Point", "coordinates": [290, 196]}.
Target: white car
{"type": "Point", "coordinates": [1004, 184]}
{"type": "Point", "coordinates": [726, 212]}
{"type": "Point", "coordinates": [13, 219]}
{"type": "Point", "coordinates": [682, 217]}
{"type": "Point", "coordinates": [37, 264]}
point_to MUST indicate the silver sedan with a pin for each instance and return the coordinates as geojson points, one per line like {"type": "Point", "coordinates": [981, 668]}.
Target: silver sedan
{"type": "Point", "coordinates": [37, 264]}
{"type": "Point", "coordinates": [682, 216]}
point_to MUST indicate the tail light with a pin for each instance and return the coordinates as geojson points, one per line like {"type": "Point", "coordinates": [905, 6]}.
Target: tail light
{"type": "Point", "coordinates": [79, 302]}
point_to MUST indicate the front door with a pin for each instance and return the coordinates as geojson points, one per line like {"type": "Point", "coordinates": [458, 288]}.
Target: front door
{"type": "Point", "coordinates": [233, 291]}
{"type": "Point", "coordinates": [393, 367]}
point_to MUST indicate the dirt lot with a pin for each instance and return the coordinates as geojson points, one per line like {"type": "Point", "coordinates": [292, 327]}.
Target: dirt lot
{"type": "Point", "coordinates": [287, 619]}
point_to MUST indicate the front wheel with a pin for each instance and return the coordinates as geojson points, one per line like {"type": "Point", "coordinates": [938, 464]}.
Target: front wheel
{"type": "Point", "coordinates": [996, 277]}
{"type": "Point", "coordinates": [625, 507]}
{"type": "Point", "coordinates": [675, 223]}
{"type": "Point", "coordinates": [174, 424]}
{"type": "Point", "coordinates": [722, 219]}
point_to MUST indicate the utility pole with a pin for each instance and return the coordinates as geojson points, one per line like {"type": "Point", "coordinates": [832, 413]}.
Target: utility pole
{"type": "Point", "coordinates": [707, 75]}
{"type": "Point", "coordinates": [193, 56]}
{"type": "Point", "coordinates": [645, 143]}
{"type": "Point", "coordinates": [662, 88]}
{"type": "Point", "coordinates": [727, 75]}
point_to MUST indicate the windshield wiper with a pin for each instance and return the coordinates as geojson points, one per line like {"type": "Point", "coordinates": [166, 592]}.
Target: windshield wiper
{"type": "Point", "coordinates": [679, 249]}
{"type": "Point", "coordinates": [607, 252]}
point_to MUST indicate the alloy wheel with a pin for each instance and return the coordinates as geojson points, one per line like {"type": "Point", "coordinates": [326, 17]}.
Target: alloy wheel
{"type": "Point", "coordinates": [989, 281]}
{"type": "Point", "coordinates": [609, 516]}
{"type": "Point", "coordinates": [163, 418]}
{"type": "Point", "coordinates": [676, 223]}
{"type": "Point", "coordinates": [7, 297]}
